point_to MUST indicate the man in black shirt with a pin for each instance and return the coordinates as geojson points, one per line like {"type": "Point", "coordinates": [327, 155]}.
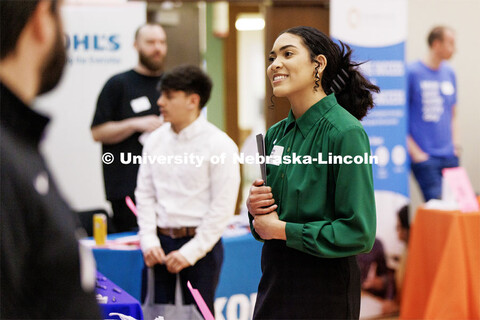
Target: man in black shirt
{"type": "Point", "coordinates": [126, 108]}
{"type": "Point", "coordinates": [43, 274]}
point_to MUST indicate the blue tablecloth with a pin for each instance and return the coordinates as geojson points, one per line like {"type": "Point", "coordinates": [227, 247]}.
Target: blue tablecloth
{"type": "Point", "coordinates": [238, 283]}
{"type": "Point", "coordinates": [241, 266]}
{"type": "Point", "coordinates": [119, 301]}
{"type": "Point", "coordinates": [237, 289]}
{"type": "Point", "coordinates": [123, 267]}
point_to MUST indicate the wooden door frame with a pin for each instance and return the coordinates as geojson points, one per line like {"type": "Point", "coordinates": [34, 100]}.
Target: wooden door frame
{"type": "Point", "coordinates": [231, 69]}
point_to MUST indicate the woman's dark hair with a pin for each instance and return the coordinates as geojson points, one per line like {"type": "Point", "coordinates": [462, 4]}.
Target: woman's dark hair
{"type": "Point", "coordinates": [190, 79]}
{"type": "Point", "coordinates": [341, 76]}
{"type": "Point", "coordinates": [14, 17]}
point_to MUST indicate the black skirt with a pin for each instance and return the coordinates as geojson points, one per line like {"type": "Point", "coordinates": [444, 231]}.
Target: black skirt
{"type": "Point", "coordinates": [297, 285]}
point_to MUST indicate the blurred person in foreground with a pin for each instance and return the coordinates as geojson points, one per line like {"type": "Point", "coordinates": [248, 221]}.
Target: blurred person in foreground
{"type": "Point", "coordinates": [185, 203]}
{"type": "Point", "coordinates": [43, 271]}
{"type": "Point", "coordinates": [126, 108]}
{"type": "Point", "coordinates": [433, 141]}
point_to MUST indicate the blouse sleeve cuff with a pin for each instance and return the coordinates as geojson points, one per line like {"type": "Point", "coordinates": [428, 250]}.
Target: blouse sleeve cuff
{"type": "Point", "coordinates": [294, 232]}
{"type": "Point", "coordinates": [252, 229]}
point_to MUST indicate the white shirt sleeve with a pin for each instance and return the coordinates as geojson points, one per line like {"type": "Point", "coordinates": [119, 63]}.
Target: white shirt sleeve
{"type": "Point", "coordinates": [145, 196]}
{"type": "Point", "coordinates": [224, 186]}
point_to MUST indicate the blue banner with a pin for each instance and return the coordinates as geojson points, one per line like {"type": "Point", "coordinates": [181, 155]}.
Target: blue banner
{"type": "Point", "coordinates": [376, 30]}
{"type": "Point", "coordinates": [386, 124]}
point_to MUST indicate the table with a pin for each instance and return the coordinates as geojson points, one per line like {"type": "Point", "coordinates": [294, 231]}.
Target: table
{"type": "Point", "coordinates": [442, 279]}
{"type": "Point", "coordinates": [123, 267]}
{"type": "Point", "coordinates": [119, 300]}
{"type": "Point", "coordinates": [236, 291]}
{"type": "Point", "coordinates": [237, 288]}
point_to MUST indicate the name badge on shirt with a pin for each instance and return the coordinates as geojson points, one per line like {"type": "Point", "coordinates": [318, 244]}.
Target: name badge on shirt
{"type": "Point", "coordinates": [140, 104]}
{"type": "Point", "coordinates": [275, 157]}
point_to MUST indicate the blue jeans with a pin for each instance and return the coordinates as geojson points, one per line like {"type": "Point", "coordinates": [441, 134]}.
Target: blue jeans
{"type": "Point", "coordinates": [429, 175]}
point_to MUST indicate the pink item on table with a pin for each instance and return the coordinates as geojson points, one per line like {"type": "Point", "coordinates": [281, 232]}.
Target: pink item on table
{"type": "Point", "coordinates": [457, 180]}
{"type": "Point", "coordinates": [131, 205]}
{"type": "Point", "coordinates": [200, 302]}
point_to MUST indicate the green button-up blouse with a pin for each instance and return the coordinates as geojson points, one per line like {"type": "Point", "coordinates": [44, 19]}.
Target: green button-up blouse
{"type": "Point", "coordinates": [322, 181]}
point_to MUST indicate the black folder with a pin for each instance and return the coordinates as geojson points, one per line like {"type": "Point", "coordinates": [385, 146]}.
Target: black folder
{"type": "Point", "coordinates": [261, 152]}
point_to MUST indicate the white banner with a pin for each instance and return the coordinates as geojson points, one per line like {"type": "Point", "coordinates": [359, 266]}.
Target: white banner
{"type": "Point", "coordinates": [99, 37]}
{"type": "Point", "coordinates": [369, 23]}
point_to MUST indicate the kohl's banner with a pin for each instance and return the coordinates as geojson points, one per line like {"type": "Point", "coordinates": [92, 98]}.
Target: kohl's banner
{"type": "Point", "coordinates": [376, 30]}
{"type": "Point", "coordinates": [99, 38]}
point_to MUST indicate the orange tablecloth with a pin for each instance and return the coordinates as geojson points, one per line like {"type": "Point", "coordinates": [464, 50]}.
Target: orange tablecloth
{"type": "Point", "coordinates": [442, 279]}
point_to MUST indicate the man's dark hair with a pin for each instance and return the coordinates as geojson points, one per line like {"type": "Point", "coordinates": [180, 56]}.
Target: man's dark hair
{"type": "Point", "coordinates": [436, 34]}
{"type": "Point", "coordinates": [14, 15]}
{"type": "Point", "coordinates": [190, 79]}
{"type": "Point", "coordinates": [404, 217]}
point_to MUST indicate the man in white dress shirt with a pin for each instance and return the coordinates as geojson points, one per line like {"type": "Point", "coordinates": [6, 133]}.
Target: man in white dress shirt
{"type": "Point", "coordinates": [186, 191]}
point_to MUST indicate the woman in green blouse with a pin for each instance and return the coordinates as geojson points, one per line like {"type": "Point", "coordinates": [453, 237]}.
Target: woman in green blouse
{"type": "Point", "coordinates": [317, 210]}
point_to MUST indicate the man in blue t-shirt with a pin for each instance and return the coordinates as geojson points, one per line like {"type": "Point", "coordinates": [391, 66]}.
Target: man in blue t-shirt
{"type": "Point", "coordinates": [432, 141]}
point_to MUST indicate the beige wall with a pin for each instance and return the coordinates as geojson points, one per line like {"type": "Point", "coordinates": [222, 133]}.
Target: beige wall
{"type": "Point", "coordinates": [463, 17]}
{"type": "Point", "coordinates": [181, 24]}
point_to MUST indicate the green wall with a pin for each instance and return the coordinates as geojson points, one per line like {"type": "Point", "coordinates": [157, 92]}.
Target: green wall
{"type": "Point", "coordinates": [214, 61]}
